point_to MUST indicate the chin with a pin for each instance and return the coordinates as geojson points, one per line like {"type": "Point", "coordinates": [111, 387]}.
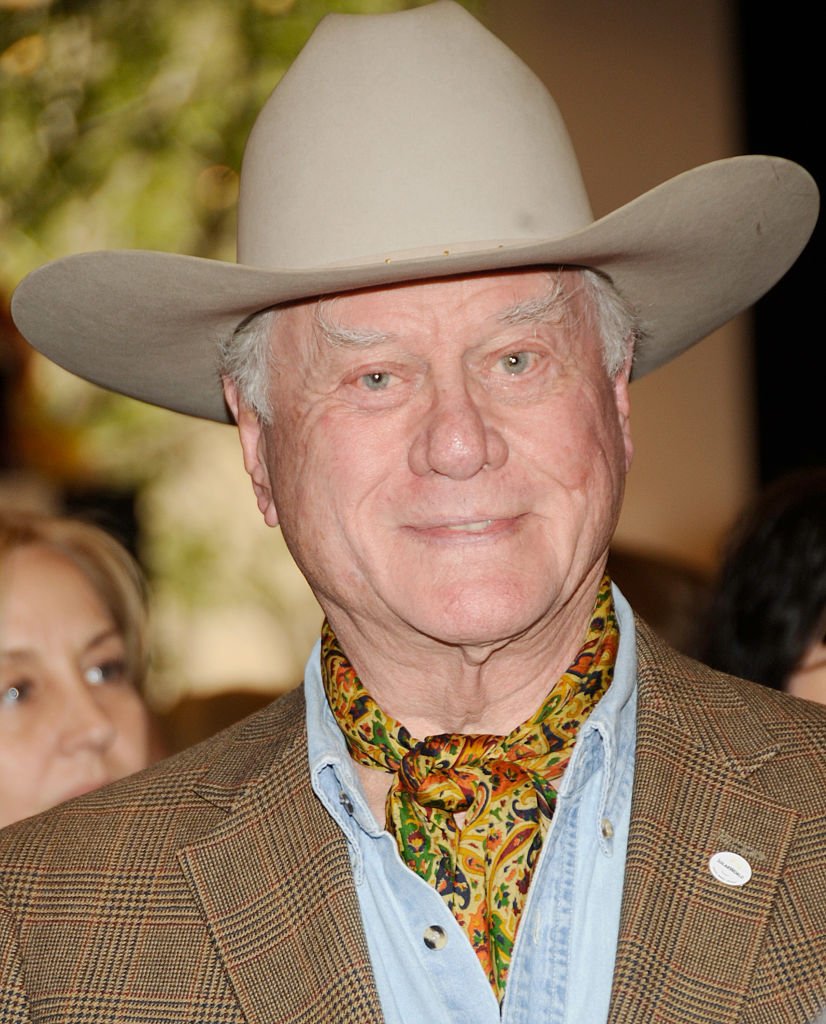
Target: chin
{"type": "Point", "coordinates": [478, 620]}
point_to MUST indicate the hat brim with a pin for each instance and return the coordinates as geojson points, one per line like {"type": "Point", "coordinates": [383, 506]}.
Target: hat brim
{"type": "Point", "coordinates": [688, 255]}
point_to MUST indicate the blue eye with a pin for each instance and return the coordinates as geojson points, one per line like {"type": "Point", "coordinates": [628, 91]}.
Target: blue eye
{"type": "Point", "coordinates": [15, 694]}
{"type": "Point", "coordinates": [516, 362]}
{"type": "Point", "coordinates": [376, 381]}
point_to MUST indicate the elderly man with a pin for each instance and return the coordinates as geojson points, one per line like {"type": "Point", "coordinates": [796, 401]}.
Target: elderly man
{"type": "Point", "coordinates": [497, 796]}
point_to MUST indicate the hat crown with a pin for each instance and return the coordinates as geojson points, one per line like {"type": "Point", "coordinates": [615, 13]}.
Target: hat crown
{"type": "Point", "coordinates": [404, 133]}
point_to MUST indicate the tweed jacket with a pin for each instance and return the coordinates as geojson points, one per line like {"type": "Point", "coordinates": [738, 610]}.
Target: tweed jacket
{"type": "Point", "coordinates": [215, 888]}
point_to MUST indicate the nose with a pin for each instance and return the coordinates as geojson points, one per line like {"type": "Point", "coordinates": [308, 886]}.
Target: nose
{"type": "Point", "coordinates": [454, 438]}
{"type": "Point", "coordinates": [86, 726]}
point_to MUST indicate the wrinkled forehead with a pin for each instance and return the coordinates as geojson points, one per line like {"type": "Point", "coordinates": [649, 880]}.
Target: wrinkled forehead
{"type": "Point", "coordinates": [478, 301]}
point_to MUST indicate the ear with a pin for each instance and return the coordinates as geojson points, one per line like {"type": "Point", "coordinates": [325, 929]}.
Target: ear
{"type": "Point", "coordinates": [623, 403]}
{"type": "Point", "coordinates": [254, 449]}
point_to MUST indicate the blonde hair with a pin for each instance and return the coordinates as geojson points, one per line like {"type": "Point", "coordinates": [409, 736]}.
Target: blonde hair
{"type": "Point", "coordinates": [112, 572]}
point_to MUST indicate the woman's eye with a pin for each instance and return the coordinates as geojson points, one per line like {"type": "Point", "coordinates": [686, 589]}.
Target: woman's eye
{"type": "Point", "coordinates": [111, 671]}
{"type": "Point", "coordinates": [516, 362]}
{"type": "Point", "coordinates": [377, 381]}
{"type": "Point", "coordinates": [14, 694]}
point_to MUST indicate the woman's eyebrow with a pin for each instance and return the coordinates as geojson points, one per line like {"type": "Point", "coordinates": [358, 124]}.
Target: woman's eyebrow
{"type": "Point", "coordinates": [100, 637]}
{"type": "Point", "coordinates": [16, 653]}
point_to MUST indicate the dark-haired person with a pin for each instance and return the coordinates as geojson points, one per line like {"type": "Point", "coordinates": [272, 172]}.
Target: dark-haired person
{"type": "Point", "coordinates": [767, 618]}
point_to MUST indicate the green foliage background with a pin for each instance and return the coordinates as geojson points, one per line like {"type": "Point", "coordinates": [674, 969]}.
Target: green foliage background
{"type": "Point", "coordinates": [124, 121]}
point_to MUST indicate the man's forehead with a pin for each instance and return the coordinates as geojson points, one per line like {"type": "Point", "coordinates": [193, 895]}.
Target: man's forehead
{"type": "Point", "coordinates": [510, 297]}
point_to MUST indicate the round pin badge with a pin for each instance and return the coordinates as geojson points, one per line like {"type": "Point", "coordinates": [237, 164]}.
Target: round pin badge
{"type": "Point", "coordinates": [730, 868]}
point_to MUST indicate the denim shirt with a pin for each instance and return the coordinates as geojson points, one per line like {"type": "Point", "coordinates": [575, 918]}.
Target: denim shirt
{"type": "Point", "coordinates": [563, 958]}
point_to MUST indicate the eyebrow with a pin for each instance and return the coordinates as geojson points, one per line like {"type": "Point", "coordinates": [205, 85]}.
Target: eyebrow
{"type": "Point", "coordinates": [19, 653]}
{"type": "Point", "coordinates": [343, 335]}
{"type": "Point", "coordinates": [552, 305]}
{"type": "Point", "coordinates": [103, 636]}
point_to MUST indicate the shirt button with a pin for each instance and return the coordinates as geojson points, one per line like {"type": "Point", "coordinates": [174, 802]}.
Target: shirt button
{"type": "Point", "coordinates": [345, 802]}
{"type": "Point", "coordinates": [435, 937]}
{"type": "Point", "coordinates": [606, 828]}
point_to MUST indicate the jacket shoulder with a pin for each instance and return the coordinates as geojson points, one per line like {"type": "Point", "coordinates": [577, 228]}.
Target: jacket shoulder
{"type": "Point", "coordinates": [777, 738]}
{"type": "Point", "coordinates": [183, 795]}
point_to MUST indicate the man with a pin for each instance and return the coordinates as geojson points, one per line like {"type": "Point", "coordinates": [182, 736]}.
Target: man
{"type": "Point", "coordinates": [497, 796]}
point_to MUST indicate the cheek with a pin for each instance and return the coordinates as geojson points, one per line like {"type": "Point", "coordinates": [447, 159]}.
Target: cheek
{"type": "Point", "coordinates": [17, 753]}
{"type": "Point", "coordinates": [24, 763]}
{"type": "Point", "coordinates": [332, 463]}
{"type": "Point", "coordinates": [130, 717]}
{"type": "Point", "coordinates": [26, 738]}
{"type": "Point", "coordinates": [306, 435]}
{"type": "Point", "coordinates": [295, 465]}
{"type": "Point", "coordinates": [583, 447]}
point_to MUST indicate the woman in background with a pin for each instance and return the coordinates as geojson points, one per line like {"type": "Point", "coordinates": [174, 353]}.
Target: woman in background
{"type": "Point", "coordinates": [73, 656]}
{"type": "Point", "coordinates": [767, 618]}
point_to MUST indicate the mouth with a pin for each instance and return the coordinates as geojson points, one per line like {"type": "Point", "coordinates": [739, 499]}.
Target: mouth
{"type": "Point", "coordinates": [455, 529]}
{"type": "Point", "coordinates": [479, 526]}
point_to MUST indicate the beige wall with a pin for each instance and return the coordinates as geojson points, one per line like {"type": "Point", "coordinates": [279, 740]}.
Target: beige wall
{"type": "Point", "coordinates": [648, 89]}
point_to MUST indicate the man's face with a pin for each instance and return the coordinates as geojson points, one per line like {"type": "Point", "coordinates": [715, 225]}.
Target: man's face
{"type": "Point", "coordinates": [446, 457]}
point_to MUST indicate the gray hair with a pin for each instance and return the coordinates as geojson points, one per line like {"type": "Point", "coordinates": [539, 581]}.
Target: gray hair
{"type": "Point", "coordinates": [246, 357]}
{"type": "Point", "coordinates": [614, 318]}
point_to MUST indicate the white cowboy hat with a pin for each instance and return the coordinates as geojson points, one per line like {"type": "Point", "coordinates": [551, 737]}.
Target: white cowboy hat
{"type": "Point", "coordinates": [407, 146]}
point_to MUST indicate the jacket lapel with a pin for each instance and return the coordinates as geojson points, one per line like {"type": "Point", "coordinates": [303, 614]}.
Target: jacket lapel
{"type": "Point", "coordinates": [700, 751]}
{"type": "Point", "coordinates": [274, 884]}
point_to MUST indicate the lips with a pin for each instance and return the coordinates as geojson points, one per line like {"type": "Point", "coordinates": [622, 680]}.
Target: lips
{"type": "Point", "coordinates": [479, 526]}
{"type": "Point", "coordinates": [465, 526]}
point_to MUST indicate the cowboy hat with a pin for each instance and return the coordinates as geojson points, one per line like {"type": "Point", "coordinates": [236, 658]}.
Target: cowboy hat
{"type": "Point", "coordinates": [406, 146]}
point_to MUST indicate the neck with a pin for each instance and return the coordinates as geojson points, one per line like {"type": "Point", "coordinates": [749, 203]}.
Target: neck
{"type": "Point", "coordinates": [433, 687]}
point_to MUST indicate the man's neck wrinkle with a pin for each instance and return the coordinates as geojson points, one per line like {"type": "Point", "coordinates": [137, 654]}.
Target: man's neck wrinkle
{"type": "Point", "coordinates": [491, 698]}
{"type": "Point", "coordinates": [434, 687]}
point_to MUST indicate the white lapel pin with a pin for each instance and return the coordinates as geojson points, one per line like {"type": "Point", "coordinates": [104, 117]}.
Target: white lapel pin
{"type": "Point", "coordinates": [730, 868]}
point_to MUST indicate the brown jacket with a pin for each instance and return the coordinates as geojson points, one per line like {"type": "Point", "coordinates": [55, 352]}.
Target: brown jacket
{"type": "Point", "coordinates": [215, 888]}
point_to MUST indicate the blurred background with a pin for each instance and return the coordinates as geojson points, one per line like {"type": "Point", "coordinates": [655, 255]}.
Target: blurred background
{"type": "Point", "coordinates": [122, 125]}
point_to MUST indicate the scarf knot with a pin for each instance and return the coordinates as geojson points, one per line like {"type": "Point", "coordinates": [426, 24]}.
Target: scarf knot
{"type": "Point", "coordinates": [448, 772]}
